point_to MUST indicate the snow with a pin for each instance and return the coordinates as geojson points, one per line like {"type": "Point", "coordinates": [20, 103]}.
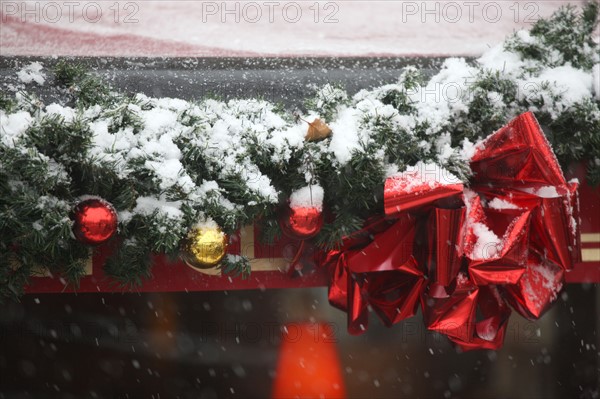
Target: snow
{"type": "Point", "coordinates": [573, 85]}
{"type": "Point", "coordinates": [147, 206]}
{"type": "Point", "coordinates": [170, 172]}
{"type": "Point", "coordinates": [234, 259]}
{"type": "Point", "coordinates": [468, 149]}
{"type": "Point", "coordinates": [158, 119]}
{"type": "Point", "coordinates": [499, 203]}
{"type": "Point", "coordinates": [391, 170]}
{"type": "Point", "coordinates": [233, 123]}
{"type": "Point", "coordinates": [102, 139]}
{"type": "Point", "coordinates": [444, 148]}
{"type": "Point", "coordinates": [346, 136]}
{"type": "Point", "coordinates": [261, 184]}
{"type": "Point", "coordinates": [542, 192]}
{"type": "Point", "coordinates": [541, 283]}
{"type": "Point", "coordinates": [308, 197]}
{"type": "Point", "coordinates": [13, 126]}
{"type": "Point", "coordinates": [227, 126]}
{"type": "Point", "coordinates": [124, 216]}
{"type": "Point", "coordinates": [67, 113]}
{"type": "Point", "coordinates": [173, 104]}
{"type": "Point", "coordinates": [445, 94]}
{"type": "Point", "coordinates": [498, 59]}
{"type": "Point", "coordinates": [208, 186]}
{"type": "Point", "coordinates": [488, 244]}
{"type": "Point", "coordinates": [285, 140]}
{"type": "Point", "coordinates": [110, 147]}
{"type": "Point", "coordinates": [419, 176]}
{"type": "Point", "coordinates": [32, 73]}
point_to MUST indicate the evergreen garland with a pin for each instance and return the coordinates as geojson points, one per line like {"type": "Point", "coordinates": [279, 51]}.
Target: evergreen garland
{"type": "Point", "coordinates": [166, 164]}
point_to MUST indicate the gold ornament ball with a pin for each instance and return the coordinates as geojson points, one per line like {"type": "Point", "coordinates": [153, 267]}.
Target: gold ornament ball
{"type": "Point", "coordinates": [204, 247]}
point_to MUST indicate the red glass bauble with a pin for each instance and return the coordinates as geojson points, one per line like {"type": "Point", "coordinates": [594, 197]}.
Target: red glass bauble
{"type": "Point", "coordinates": [301, 223]}
{"type": "Point", "coordinates": [95, 221]}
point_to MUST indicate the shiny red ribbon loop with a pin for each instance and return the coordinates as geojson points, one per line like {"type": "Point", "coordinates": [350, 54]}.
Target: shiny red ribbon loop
{"type": "Point", "coordinates": [444, 244]}
{"type": "Point", "coordinates": [417, 188]}
{"type": "Point", "coordinates": [555, 222]}
{"type": "Point", "coordinates": [488, 331]}
{"type": "Point", "coordinates": [456, 316]}
{"type": "Point", "coordinates": [493, 259]}
{"type": "Point", "coordinates": [517, 155]}
{"type": "Point", "coordinates": [453, 314]}
{"type": "Point", "coordinates": [382, 274]}
{"type": "Point", "coordinates": [537, 289]}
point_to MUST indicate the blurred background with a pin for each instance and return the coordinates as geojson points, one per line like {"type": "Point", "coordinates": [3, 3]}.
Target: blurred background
{"type": "Point", "coordinates": [184, 28]}
{"type": "Point", "coordinates": [227, 344]}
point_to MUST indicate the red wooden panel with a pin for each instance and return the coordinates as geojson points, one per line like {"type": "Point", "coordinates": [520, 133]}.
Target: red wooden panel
{"type": "Point", "coordinates": [176, 276]}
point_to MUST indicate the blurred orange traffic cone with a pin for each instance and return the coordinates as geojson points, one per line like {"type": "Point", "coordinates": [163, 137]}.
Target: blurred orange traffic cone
{"type": "Point", "coordinates": [308, 364]}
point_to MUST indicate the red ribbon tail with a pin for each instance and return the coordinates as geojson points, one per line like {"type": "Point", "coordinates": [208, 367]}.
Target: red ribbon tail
{"type": "Point", "coordinates": [296, 260]}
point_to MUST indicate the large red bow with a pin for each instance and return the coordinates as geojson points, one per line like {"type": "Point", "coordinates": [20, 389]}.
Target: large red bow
{"type": "Point", "coordinates": [463, 254]}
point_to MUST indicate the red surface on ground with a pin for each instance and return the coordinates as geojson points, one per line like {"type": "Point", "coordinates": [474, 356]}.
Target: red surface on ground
{"type": "Point", "coordinates": [187, 29]}
{"type": "Point", "coordinates": [45, 40]}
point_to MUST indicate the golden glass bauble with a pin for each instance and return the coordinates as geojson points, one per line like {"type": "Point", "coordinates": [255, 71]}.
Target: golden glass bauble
{"type": "Point", "coordinates": [204, 247]}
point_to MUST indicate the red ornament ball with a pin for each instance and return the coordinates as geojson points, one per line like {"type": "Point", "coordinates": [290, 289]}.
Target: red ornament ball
{"type": "Point", "coordinates": [95, 221]}
{"type": "Point", "coordinates": [301, 223]}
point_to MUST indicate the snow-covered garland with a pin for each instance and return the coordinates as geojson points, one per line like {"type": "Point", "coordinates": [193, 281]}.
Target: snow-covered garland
{"type": "Point", "coordinates": [166, 164]}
